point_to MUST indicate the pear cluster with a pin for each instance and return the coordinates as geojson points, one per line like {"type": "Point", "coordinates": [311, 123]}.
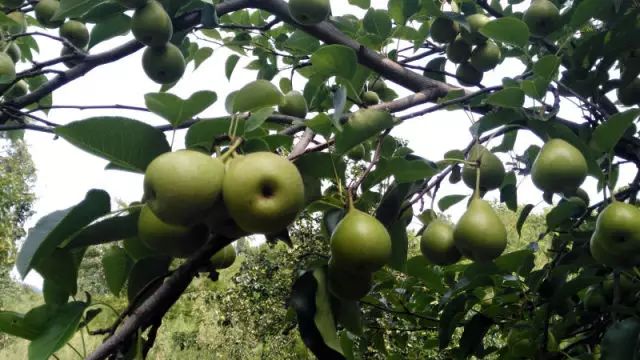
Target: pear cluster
{"type": "Point", "coordinates": [467, 47]}
{"type": "Point", "coordinates": [190, 196]}
{"type": "Point", "coordinates": [360, 245]}
{"type": "Point", "coordinates": [16, 23]}
{"type": "Point", "coordinates": [151, 25]}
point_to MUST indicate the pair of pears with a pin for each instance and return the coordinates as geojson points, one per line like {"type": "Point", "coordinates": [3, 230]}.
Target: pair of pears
{"type": "Point", "coordinates": [190, 195]}
{"type": "Point", "coordinates": [360, 245]}
{"type": "Point", "coordinates": [479, 235]}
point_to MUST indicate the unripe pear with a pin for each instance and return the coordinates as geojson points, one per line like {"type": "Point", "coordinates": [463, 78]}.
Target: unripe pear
{"type": "Point", "coordinates": [309, 12]}
{"type": "Point", "coordinates": [164, 65]}
{"type": "Point", "coordinates": [458, 51]}
{"type": "Point", "coordinates": [370, 98]}
{"type": "Point", "coordinates": [479, 234]}
{"type": "Point", "coordinates": [347, 284]}
{"type": "Point", "coordinates": [437, 244]}
{"type": "Point", "coordinates": [151, 25]}
{"type": "Point", "coordinates": [491, 169]}
{"type": "Point", "coordinates": [7, 69]}
{"type": "Point", "coordinates": [14, 52]}
{"type": "Point", "coordinates": [559, 167]}
{"type": "Point", "coordinates": [44, 11]}
{"type": "Point", "coordinates": [224, 258]}
{"type": "Point", "coordinates": [76, 32]}
{"type": "Point", "coordinates": [435, 69]}
{"type": "Point", "coordinates": [476, 22]}
{"type": "Point", "coordinates": [360, 242]}
{"type": "Point", "coordinates": [20, 25]}
{"type": "Point", "coordinates": [486, 56]}
{"type": "Point", "coordinates": [616, 239]}
{"type": "Point", "coordinates": [444, 30]}
{"type": "Point", "coordinates": [542, 17]}
{"type": "Point", "coordinates": [467, 75]}
{"type": "Point", "coordinates": [294, 104]}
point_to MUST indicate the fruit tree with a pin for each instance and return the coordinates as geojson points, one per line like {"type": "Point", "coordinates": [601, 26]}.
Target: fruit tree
{"type": "Point", "coordinates": [311, 138]}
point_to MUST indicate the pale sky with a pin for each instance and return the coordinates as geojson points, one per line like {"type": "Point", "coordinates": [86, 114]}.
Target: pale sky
{"type": "Point", "coordinates": [65, 173]}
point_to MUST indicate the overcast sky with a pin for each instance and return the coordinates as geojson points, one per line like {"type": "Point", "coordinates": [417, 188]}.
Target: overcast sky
{"type": "Point", "coordinates": [66, 173]}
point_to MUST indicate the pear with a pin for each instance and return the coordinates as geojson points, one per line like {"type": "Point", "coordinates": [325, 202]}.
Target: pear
{"type": "Point", "coordinates": [182, 186]}
{"type": "Point", "coordinates": [14, 52]}
{"type": "Point", "coordinates": [437, 244]}
{"type": "Point", "coordinates": [151, 25]}
{"type": "Point", "coordinates": [458, 51]}
{"type": "Point", "coordinates": [360, 242]}
{"type": "Point", "coordinates": [294, 104]}
{"type": "Point", "coordinates": [479, 234]}
{"type": "Point", "coordinates": [542, 17]}
{"type": "Point", "coordinates": [594, 299]}
{"type": "Point", "coordinates": [173, 240]}
{"type": "Point", "coordinates": [357, 153]}
{"type": "Point", "coordinates": [467, 75]}
{"type": "Point", "coordinates": [66, 51]}
{"type": "Point", "coordinates": [20, 25]}
{"type": "Point", "coordinates": [21, 88]}
{"type": "Point", "coordinates": [435, 69]}
{"type": "Point", "coordinates": [347, 284]}
{"type": "Point", "coordinates": [224, 258]}
{"type": "Point", "coordinates": [444, 30]}
{"type": "Point", "coordinates": [486, 56]}
{"type": "Point", "coordinates": [491, 169]}
{"type": "Point", "coordinates": [7, 69]}
{"type": "Point", "coordinates": [309, 12]}
{"type": "Point", "coordinates": [629, 95]}
{"type": "Point", "coordinates": [44, 11]}
{"type": "Point", "coordinates": [263, 192]}
{"type": "Point", "coordinates": [559, 167]}
{"type": "Point", "coordinates": [476, 22]}
{"type": "Point", "coordinates": [370, 98]}
{"type": "Point", "coordinates": [76, 32]}
{"type": "Point", "coordinates": [616, 238]}
{"type": "Point", "coordinates": [164, 64]}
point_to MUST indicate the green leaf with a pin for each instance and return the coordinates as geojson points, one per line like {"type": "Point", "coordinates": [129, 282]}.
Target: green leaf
{"type": "Point", "coordinates": [201, 56]}
{"type": "Point", "coordinates": [401, 10]}
{"type": "Point", "coordinates": [102, 12]}
{"type": "Point", "coordinates": [561, 213]}
{"type": "Point", "coordinates": [586, 10]}
{"type": "Point", "coordinates": [258, 118]}
{"type": "Point", "coordinates": [473, 334]}
{"type": "Point", "coordinates": [230, 65]}
{"type": "Point", "coordinates": [59, 331]}
{"type": "Point", "coordinates": [338, 60]}
{"type": "Point", "coordinates": [399, 245]}
{"type": "Point", "coordinates": [364, 4]}
{"type": "Point", "coordinates": [606, 135]}
{"type": "Point", "coordinates": [453, 311]}
{"type": "Point", "coordinates": [449, 200]}
{"type": "Point", "coordinates": [256, 95]}
{"type": "Point", "coordinates": [128, 143]}
{"type": "Point", "coordinates": [53, 229]}
{"type": "Point", "coordinates": [547, 67]}
{"type": "Point", "coordinates": [361, 126]}
{"type": "Point", "coordinates": [145, 275]}
{"type": "Point", "coordinates": [59, 267]}
{"type": "Point", "coordinates": [420, 268]}
{"type": "Point", "coordinates": [116, 265]}
{"type": "Point", "coordinates": [377, 22]}
{"type": "Point", "coordinates": [507, 98]}
{"type": "Point", "coordinates": [521, 262]}
{"type": "Point", "coordinates": [107, 230]}
{"type": "Point", "coordinates": [526, 210]}
{"type": "Point", "coordinates": [320, 124]}
{"type": "Point", "coordinates": [54, 294]}
{"type": "Point", "coordinates": [321, 165]}
{"type": "Point", "coordinates": [12, 323]}
{"type": "Point", "coordinates": [323, 317]}
{"type": "Point", "coordinates": [116, 25]}
{"type": "Point", "coordinates": [620, 341]}
{"type": "Point", "coordinates": [74, 8]}
{"type": "Point", "coordinates": [410, 170]}
{"type": "Point", "coordinates": [348, 315]}
{"type": "Point", "coordinates": [508, 30]}
{"type": "Point", "coordinates": [176, 110]}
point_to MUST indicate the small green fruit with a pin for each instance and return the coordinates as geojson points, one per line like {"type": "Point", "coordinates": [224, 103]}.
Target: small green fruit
{"type": "Point", "coordinates": [542, 17]}
{"type": "Point", "coordinates": [559, 167]}
{"type": "Point", "coordinates": [630, 94]}
{"type": "Point", "coordinates": [44, 11]}
{"type": "Point", "coordinates": [21, 88]}
{"type": "Point", "coordinates": [151, 25]}
{"type": "Point", "coordinates": [347, 284]}
{"type": "Point", "coordinates": [594, 299]}
{"type": "Point", "coordinates": [458, 51]}
{"type": "Point", "coordinates": [164, 65]}
{"type": "Point", "coordinates": [616, 238]}
{"type": "Point", "coordinates": [173, 240]}
{"type": "Point", "coordinates": [370, 98]}
{"type": "Point", "coordinates": [132, 4]}
{"type": "Point", "coordinates": [479, 234]}
{"type": "Point", "coordinates": [14, 52]}
{"type": "Point", "coordinates": [7, 68]}
{"type": "Point", "coordinates": [444, 30]}
{"type": "Point", "coordinates": [263, 192]}
{"type": "Point", "coordinates": [294, 104]}
{"type": "Point", "coordinates": [360, 242]}
{"type": "Point", "coordinates": [182, 186]}
{"type": "Point", "coordinates": [20, 24]}
{"type": "Point", "coordinates": [476, 22]}
{"type": "Point", "coordinates": [357, 153]}
{"type": "Point", "coordinates": [66, 51]}
{"type": "Point", "coordinates": [467, 75]}
{"type": "Point", "coordinates": [486, 56]}
{"type": "Point", "coordinates": [76, 32]}
{"type": "Point", "coordinates": [309, 12]}
{"type": "Point", "coordinates": [491, 169]}
{"type": "Point", "coordinates": [437, 244]}
{"type": "Point", "coordinates": [435, 69]}
{"type": "Point", "coordinates": [224, 258]}
{"type": "Point", "coordinates": [377, 85]}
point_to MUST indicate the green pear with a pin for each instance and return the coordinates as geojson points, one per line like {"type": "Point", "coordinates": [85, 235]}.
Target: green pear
{"type": "Point", "coordinates": [579, 193]}
{"type": "Point", "coordinates": [476, 22]}
{"type": "Point", "coordinates": [435, 69]}
{"type": "Point", "coordinates": [181, 186]}
{"type": "Point", "coordinates": [378, 85]}
{"type": "Point", "coordinates": [7, 69]}
{"type": "Point", "coordinates": [594, 299]}
{"type": "Point", "coordinates": [542, 17]}
{"type": "Point", "coordinates": [44, 11]}
{"type": "Point", "coordinates": [437, 244]}
{"type": "Point", "coordinates": [347, 284]}
{"type": "Point", "coordinates": [224, 258]}
{"type": "Point", "coordinates": [263, 192]}
{"type": "Point", "coordinates": [486, 56]}
{"type": "Point", "coordinates": [491, 169]}
{"type": "Point", "coordinates": [294, 104]}
{"type": "Point", "coordinates": [151, 25]}
{"type": "Point", "coordinates": [357, 153]}
{"type": "Point", "coordinates": [444, 30]}
{"type": "Point", "coordinates": [21, 88]}
{"type": "Point", "coordinates": [629, 95]}
{"type": "Point", "coordinates": [132, 4]}
{"type": "Point", "coordinates": [458, 51]}
{"type": "Point", "coordinates": [309, 12]}
{"type": "Point", "coordinates": [20, 24]}
{"type": "Point", "coordinates": [616, 238]}
{"type": "Point", "coordinates": [173, 240]}
{"type": "Point", "coordinates": [360, 242]}
{"type": "Point", "coordinates": [370, 98]}
{"type": "Point", "coordinates": [76, 32]}
{"type": "Point", "coordinates": [164, 65]}
{"type": "Point", "coordinates": [479, 234]}
{"type": "Point", "coordinates": [467, 75]}
{"type": "Point", "coordinates": [559, 167]}
{"type": "Point", "coordinates": [66, 51]}
{"type": "Point", "coordinates": [14, 52]}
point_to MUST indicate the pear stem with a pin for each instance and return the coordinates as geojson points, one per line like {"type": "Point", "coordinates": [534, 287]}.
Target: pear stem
{"type": "Point", "coordinates": [460, 161]}
{"type": "Point", "coordinates": [476, 193]}
{"type": "Point", "coordinates": [232, 149]}
{"type": "Point", "coordinates": [349, 201]}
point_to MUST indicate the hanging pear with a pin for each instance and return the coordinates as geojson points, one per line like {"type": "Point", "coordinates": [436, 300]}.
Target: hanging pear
{"type": "Point", "coordinates": [437, 244]}
{"type": "Point", "coordinates": [616, 238]}
{"type": "Point", "coordinates": [559, 167]}
{"type": "Point", "coordinates": [491, 169]}
{"type": "Point", "coordinates": [479, 234]}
